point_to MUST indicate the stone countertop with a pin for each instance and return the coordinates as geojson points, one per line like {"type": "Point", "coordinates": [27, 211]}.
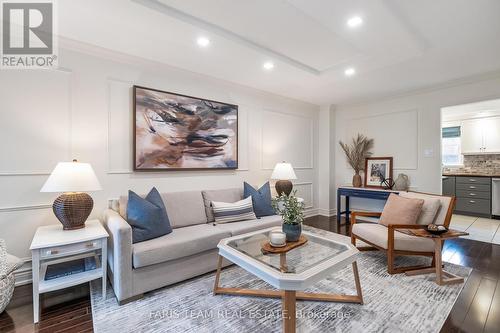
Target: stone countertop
{"type": "Point", "coordinates": [471, 174]}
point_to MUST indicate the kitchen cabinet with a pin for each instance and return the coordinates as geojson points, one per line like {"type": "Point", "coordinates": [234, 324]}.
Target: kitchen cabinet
{"type": "Point", "coordinates": [473, 195]}
{"type": "Point", "coordinates": [448, 185]}
{"type": "Point", "coordinates": [480, 136]}
{"type": "Point", "coordinates": [491, 135]}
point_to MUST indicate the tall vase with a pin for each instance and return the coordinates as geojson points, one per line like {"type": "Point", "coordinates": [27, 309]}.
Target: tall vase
{"type": "Point", "coordinates": [356, 180]}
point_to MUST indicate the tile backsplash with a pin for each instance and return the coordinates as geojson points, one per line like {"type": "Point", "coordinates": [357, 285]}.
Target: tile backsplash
{"type": "Point", "coordinates": [480, 163]}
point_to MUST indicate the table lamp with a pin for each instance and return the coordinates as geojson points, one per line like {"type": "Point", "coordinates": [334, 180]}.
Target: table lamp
{"type": "Point", "coordinates": [73, 207]}
{"type": "Point", "coordinates": [283, 172]}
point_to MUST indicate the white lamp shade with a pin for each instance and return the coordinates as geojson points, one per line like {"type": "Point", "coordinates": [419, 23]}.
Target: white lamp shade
{"type": "Point", "coordinates": [72, 177]}
{"type": "Point", "coordinates": [283, 171]}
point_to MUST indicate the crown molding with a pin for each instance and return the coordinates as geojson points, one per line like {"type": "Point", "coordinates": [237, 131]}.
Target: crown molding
{"type": "Point", "coordinates": [486, 76]}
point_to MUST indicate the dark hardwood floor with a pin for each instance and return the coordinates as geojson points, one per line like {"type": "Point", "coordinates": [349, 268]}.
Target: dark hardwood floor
{"type": "Point", "coordinates": [476, 310]}
{"type": "Point", "coordinates": [67, 310]}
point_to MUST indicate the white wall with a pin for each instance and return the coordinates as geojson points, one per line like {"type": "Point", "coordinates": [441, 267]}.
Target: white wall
{"type": "Point", "coordinates": [409, 129]}
{"type": "Point", "coordinates": [85, 111]}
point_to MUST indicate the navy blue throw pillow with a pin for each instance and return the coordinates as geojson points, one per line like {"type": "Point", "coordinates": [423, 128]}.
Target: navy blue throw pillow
{"type": "Point", "coordinates": [261, 199]}
{"type": "Point", "coordinates": [147, 217]}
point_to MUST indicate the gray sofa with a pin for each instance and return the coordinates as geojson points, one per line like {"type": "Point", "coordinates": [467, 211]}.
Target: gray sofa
{"type": "Point", "coordinates": [190, 250]}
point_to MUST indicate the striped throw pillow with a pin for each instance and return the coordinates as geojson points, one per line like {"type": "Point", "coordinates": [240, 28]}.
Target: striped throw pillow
{"type": "Point", "coordinates": [225, 212]}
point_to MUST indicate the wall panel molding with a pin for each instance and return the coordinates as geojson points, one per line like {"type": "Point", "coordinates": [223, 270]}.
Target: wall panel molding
{"type": "Point", "coordinates": [400, 142]}
{"type": "Point", "coordinates": [303, 118]}
{"type": "Point", "coordinates": [311, 185]}
{"type": "Point", "coordinates": [69, 110]}
{"type": "Point", "coordinates": [26, 207]}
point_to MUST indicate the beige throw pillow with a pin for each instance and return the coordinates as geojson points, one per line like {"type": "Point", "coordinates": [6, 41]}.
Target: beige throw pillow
{"type": "Point", "coordinates": [429, 209]}
{"type": "Point", "coordinates": [399, 210]}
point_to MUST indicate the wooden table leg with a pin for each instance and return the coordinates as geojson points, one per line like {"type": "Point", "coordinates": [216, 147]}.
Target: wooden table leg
{"type": "Point", "coordinates": [283, 265]}
{"type": "Point", "coordinates": [439, 262]}
{"type": "Point", "coordinates": [217, 275]}
{"type": "Point", "coordinates": [289, 311]}
{"type": "Point", "coordinates": [359, 292]}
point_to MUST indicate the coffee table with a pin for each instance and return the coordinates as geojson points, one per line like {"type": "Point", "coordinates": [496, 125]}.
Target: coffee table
{"type": "Point", "coordinates": [292, 272]}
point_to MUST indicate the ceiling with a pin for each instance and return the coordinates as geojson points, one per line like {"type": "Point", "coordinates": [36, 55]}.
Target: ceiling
{"type": "Point", "coordinates": [490, 108]}
{"type": "Point", "coordinates": [402, 45]}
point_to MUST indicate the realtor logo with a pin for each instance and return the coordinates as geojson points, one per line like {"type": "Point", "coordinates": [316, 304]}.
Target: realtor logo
{"type": "Point", "coordinates": [28, 35]}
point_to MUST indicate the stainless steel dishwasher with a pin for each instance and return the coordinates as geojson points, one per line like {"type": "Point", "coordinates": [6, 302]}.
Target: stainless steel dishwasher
{"type": "Point", "coordinates": [495, 197]}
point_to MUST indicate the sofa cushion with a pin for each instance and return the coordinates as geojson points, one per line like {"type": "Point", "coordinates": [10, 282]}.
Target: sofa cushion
{"type": "Point", "coordinates": [261, 199]}
{"type": "Point", "coordinates": [378, 234]}
{"type": "Point", "coordinates": [225, 195]}
{"type": "Point", "coordinates": [238, 228]}
{"type": "Point", "coordinates": [183, 208]}
{"type": "Point", "coordinates": [147, 217]}
{"type": "Point", "coordinates": [399, 210]}
{"type": "Point", "coordinates": [226, 212]}
{"type": "Point", "coordinates": [429, 209]}
{"type": "Point", "coordinates": [182, 242]}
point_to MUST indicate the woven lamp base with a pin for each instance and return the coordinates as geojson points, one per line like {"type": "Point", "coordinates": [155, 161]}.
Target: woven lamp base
{"type": "Point", "coordinates": [73, 209]}
{"type": "Point", "coordinates": [283, 186]}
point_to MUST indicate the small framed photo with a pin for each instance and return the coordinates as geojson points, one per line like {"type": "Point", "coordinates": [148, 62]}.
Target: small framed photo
{"type": "Point", "coordinates": [376, 170]}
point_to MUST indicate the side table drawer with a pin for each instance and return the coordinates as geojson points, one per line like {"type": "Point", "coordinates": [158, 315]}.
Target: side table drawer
{"type": "Point", "coordinates": [60, 251]}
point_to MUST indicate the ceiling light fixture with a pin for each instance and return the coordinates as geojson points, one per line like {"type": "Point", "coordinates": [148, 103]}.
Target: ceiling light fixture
{"type": "Point", "coordinates": [268, 65]}
{"type": "Point", "coordinates": [203, 41]}
{"type": "Point", "coordinates": [350, 71]}
{"type": "Point", "coordinates": [354, 22]}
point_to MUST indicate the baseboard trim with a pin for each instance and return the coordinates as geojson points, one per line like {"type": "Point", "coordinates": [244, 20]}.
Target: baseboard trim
{"type": "Point", "coordinates": [23, 276]}
{"type": "Point", "coordinates": [327, 212]}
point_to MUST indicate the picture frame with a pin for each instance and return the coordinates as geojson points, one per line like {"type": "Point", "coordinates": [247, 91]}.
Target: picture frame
{"type": "Point", "coordinates": [176, 132]}
{"type": "Point", "coordinates": [376, 169]}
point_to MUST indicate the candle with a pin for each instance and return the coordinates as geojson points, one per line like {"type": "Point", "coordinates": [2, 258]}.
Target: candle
{"type": "Point", "coordinates": [277, 238]}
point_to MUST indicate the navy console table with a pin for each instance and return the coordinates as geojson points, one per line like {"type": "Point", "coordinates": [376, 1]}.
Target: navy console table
{"type": "Point", "coordinates": [358, 192]}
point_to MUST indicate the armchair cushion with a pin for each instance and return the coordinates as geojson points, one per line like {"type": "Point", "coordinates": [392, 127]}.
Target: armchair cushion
{"type": "Point", "coordinates": [429, 209]}
{"type": "Point", "coordinates": [400, 210]}
{"type": "Point", "coordinates": [378, 235]}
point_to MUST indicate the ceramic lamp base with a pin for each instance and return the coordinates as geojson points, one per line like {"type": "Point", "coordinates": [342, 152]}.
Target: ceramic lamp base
{"type": "Point", "coordinates": [284, 186]}
{"type": "Point", "coordinates": [73, 209]}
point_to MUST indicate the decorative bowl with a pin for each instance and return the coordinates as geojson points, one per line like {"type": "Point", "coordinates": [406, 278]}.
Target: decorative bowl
{"type": "Point", "coordinates": [436, 229]}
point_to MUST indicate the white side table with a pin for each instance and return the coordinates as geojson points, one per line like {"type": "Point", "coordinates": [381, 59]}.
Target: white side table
{"type": "Point", "coordinates": [53, 245]}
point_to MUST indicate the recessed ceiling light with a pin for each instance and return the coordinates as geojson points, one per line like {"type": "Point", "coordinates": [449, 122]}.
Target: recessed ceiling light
{"type": "Point", "coordinates": [268, 65]}
{"type": "Point", "coordinates": [203, 41]}
{"type": "Point", "coordinates": [350, 71]}
{"type": "Point", "coordinates": [354, 22]}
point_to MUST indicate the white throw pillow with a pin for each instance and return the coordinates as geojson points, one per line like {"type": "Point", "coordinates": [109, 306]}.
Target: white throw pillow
{"type": "Point", "coordinates": [225, 212]}
{"type": "Point", "coordinates": [429, 209]}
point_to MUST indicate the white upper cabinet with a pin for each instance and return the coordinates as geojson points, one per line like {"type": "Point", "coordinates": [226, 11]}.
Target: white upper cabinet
{"type": "Point", "coordinates": [491, 135]}
{"type": "Point", "coordinates": [481, 136]}
{"type": "Point", "coordinates": [472, 136]}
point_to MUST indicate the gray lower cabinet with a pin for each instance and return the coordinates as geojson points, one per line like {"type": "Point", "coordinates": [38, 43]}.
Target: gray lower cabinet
{"type": "Point", "coordinates": [448, 185]}
{"type": "Point", "coordinates": [473, 195]}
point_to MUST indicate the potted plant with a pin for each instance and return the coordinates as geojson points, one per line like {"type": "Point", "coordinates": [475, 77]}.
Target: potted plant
{"type": "Point", "coordinates": [356, 153]}
{"type": "Point", "coordinates": [291, 210]}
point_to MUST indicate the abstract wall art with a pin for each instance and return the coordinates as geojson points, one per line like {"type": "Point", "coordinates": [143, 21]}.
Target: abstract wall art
{"type": "Point", "coordinates": [178, 132]}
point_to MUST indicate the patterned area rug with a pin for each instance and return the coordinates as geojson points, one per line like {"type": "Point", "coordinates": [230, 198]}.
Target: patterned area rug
{"type": "Point", "coordinates": [393, 303]}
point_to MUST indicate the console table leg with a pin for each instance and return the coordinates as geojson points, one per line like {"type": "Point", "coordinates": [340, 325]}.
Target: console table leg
{"type": "Point", "coordinates": [347, 210]}
{"type": "Point", "coordinates": [339, 200]}
{"type": "Point", "coordinates": [289, 311]}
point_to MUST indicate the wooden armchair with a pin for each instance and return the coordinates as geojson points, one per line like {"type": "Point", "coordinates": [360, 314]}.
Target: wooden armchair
{"type": "Point", "coordinates": [395, 243]}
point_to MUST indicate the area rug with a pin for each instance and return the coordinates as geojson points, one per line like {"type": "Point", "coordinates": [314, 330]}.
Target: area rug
{"type": "Point", "coordinates": [393, 303]}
